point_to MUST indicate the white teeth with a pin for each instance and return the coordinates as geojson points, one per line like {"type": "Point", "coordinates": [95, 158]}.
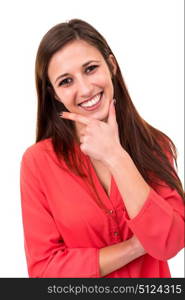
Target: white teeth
{"type": "Point", "coordinates": [91, 102]}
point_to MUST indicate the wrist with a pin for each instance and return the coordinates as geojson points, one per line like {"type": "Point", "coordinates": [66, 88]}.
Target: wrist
{"type": "Point", "coordinates": [113, 160]}
{"type": "Point", "coordinates": [130, 250]}
{"type": "Point", "coordinates": [137, 248]}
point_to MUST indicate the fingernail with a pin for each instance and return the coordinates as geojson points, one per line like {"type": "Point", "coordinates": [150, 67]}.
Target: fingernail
{"type": "Point", "coordinates": [61, 114]}
{"type": "Point", "coordinates": [114, 100]}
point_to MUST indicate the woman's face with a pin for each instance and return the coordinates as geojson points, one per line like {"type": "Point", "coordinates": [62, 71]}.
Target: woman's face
{"type": "Point", "coordinates": [81, 79]}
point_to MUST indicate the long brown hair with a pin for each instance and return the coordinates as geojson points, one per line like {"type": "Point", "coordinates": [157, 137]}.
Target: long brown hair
{"type": "Point", "coordinates": [152, 151]}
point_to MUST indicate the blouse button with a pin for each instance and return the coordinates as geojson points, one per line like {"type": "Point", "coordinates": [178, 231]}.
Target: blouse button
{"type": "Point", "coordinates": [111, 211]}
{"type": "Point", "coordinates": [116, 233]}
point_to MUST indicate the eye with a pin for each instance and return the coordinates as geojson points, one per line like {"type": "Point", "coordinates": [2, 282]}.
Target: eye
{"type": "Point", "coordinates": [91, 68]}
{"type": "Point", "coordinates": [66, 81]}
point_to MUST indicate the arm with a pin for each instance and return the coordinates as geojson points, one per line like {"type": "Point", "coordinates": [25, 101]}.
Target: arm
{"type": "Point", "coordinates": [156, 217]}
{"type": "Point", "coordinates": [46, 252]}
{"type": "Point", "coordinates": [134, 189]}
{"type": "Point", "coordinates": [116, 256]}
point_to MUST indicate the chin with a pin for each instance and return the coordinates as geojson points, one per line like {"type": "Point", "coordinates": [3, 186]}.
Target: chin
{"type": "Point", "coordinates": [101, 117]}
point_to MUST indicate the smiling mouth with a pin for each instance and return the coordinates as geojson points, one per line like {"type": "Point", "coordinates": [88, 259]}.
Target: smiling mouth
{"type": "Point", "coordinates": [92, 102]}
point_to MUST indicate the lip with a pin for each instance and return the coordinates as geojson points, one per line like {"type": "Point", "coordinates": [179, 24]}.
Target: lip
{"type": "Point", "coordinates": [90, 98]}
{"type": "Point", "coordinates": [95, 106]}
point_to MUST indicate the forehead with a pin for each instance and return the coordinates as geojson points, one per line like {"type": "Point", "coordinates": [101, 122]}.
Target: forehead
{"type": "Point", "coordinates": [73, 55]}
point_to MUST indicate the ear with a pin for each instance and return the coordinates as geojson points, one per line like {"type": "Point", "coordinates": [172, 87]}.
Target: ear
{"type": "Point", "coordinates": [113, 63]}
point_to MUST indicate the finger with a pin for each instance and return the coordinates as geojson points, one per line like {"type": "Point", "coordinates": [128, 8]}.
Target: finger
{"type": "Point", "coordinates": [112, 114]}
{"type": "Point", "coordinates": [75, 117]}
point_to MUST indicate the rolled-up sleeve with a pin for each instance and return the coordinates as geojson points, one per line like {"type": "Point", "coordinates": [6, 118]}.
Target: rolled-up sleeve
{"type": "Point", "coordinates": [46, 252]}
{"type": "Point", "coordinates": [160, 223]}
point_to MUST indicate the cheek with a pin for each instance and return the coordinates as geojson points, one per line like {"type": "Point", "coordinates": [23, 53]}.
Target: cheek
{"type": "Point", "coordinates": [103, 80]}
{"type": "Point", "coordinates": [108, 84]}
{"type": "Point", "coordinates": [65, 96]}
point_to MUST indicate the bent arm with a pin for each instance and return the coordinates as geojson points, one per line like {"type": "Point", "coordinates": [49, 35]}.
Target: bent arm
{"type": "Point", "coordinates": [155, 216]}
{"type": "Point", "coordinates": [46, 253]}
{"type": "Point", "coordinates": [117, 256]}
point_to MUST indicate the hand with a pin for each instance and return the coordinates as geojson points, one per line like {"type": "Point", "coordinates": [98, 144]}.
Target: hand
{"type": "Point", "coordinates": [98, 139]}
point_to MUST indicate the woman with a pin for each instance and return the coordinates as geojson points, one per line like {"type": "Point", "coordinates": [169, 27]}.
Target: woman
{"type": "Point", "coordinates": [100, 195]}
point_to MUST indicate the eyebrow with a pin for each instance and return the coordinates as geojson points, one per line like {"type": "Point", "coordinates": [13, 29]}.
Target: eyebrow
{"type": "Point", "coordinates": [84, 65]}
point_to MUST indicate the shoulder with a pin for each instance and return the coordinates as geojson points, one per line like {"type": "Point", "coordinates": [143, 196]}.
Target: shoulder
{"type": "Point", "coordinates": [36, 150]}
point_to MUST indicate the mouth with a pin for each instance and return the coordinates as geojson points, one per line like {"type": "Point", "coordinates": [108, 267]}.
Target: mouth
{"type": "Point", "coordinates": [93, 103]}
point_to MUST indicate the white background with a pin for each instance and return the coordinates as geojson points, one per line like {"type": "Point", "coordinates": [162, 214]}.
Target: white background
{"type": "Point", "coordinates": [146, 36]}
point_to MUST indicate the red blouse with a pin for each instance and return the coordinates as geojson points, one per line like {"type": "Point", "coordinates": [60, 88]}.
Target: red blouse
{"type": "Point", "coordinates": [65, 226]}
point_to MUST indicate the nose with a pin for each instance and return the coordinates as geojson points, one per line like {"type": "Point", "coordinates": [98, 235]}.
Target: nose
{"type": "Point", "coordinates": [84, 88]}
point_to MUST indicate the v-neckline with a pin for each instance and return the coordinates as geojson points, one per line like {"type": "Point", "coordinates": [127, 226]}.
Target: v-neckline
{"type": "Point", "coordinates": [106, 195]}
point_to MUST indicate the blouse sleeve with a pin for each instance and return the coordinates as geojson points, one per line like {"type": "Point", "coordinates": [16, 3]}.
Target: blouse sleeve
{"type": "Point", "coordinates": [46, 252]}
{"type": "Point", "coordinates": [160, 223]}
